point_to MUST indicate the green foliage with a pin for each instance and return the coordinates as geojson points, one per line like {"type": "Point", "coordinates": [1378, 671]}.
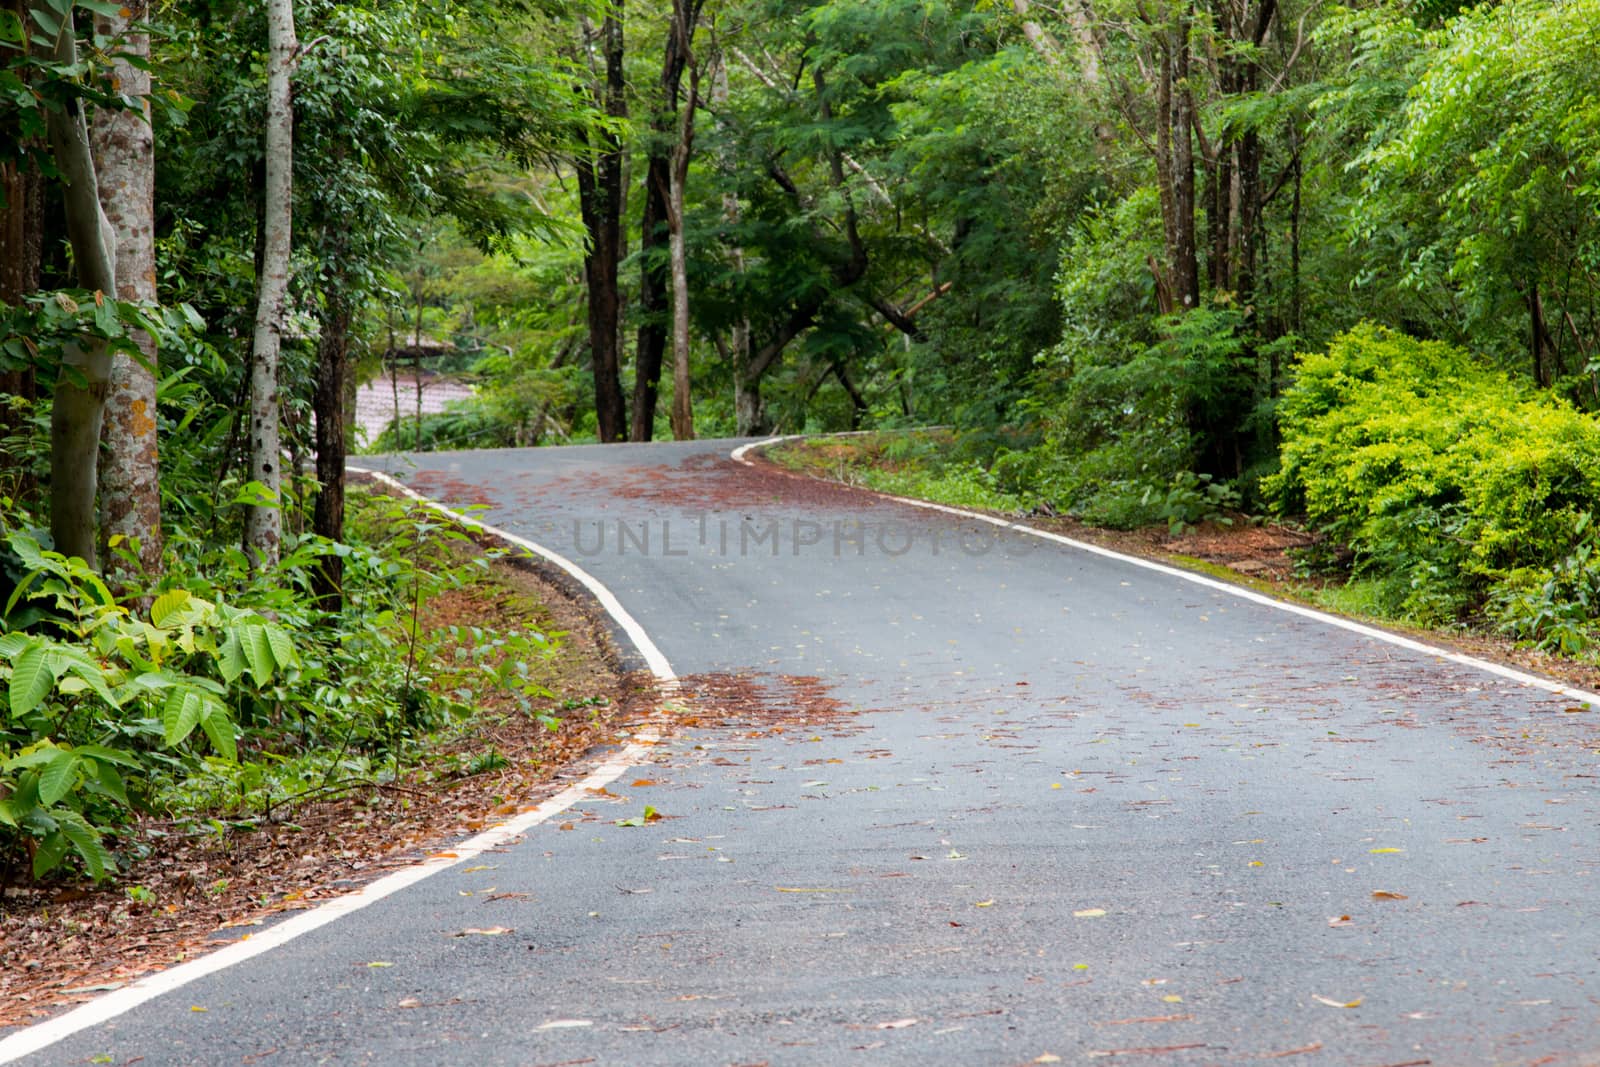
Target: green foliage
{"type": "Point", "coordinates": [195, 705]}
{"type": "Point", "coordinates": [1442, 476]}
{"type": "Point", "coordinates": [1120, 431]}
{"type": "Point", "coordinates": [1556, 609]}
{"type": "Point", "coordinates": [1192, 499]}
{"type": "Point", "coordinates": [94, 690]}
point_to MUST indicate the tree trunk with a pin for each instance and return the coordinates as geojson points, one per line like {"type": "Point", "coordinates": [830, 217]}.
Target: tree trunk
{"type": "Point", "coordinates": [1181, 241]}
{"type": "Point", "coordinates": [78, 407]}
{"type": "Point", "coordinates": [654, 289]}
{"type": "Point", "coordinates": [263, 529]}
{"type": "Point", "coordinates": [654, 274]}
{"type": "Point", "coordinates": [600, 202]}
{"type": "Point", "coordinates": [124, 149]}
{"type": "Point", "coordinates": [749, 413]}
{"type": "Point", "coordinates": [683, 15]}
{"type": "Point", "coordinates": [327, 517]}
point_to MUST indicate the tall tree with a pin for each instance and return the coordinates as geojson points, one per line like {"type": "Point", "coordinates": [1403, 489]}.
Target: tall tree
{"type": "Point", "coordinates": [124, 150]}
{"type": "Point", "coordinates": [685, 15]}
{"type": "Point", "coordinates": [78, 406]}
{"type": "Point", "coordinates": [600, 197]}
{"type": "Point", "coordinates": [654, 267]}
{"type": "Point", "coordinates": [263, 532]}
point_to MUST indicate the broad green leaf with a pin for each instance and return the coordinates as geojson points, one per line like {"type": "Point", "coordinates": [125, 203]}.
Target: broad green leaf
{"type": "Point", "coordinates": [219, 728]}
{"type": "Point", "coordinates": [86, 842]}
{"type": "Point", "coordinates": [110, 781]}
{"type": "Point", "coordinates": [108, 755]}
{"type": "Point", "coordinates": [51, 851]}
{"type": "Point", "coordinates": [180, 716]}
{"type": "Point", "coordinates": [31, 679]}
{"type": "Point", "coordinates": [153, 680]}
{"type": "Point", "coordinates": [258, 651]}
{"type": "Point", "coordinates": [168, 604]}
{"type": "Point", "coordinates": [47, 22]}
{"type": "Point", "coordinates": [7, 816]}
{"type": "Point", "coordinates": [91, 675]}
{"type": "Point", "coordinates": [230, 657]}
{"type": "Point", "coordinates": [41, 755]}
{"type": "Point", "coordinates": [57, 777]}
{"type": "Point", "coordinates": [282, 647]}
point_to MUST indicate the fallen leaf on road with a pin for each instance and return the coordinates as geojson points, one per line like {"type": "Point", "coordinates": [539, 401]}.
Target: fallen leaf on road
{"type": "Point", "coordinates": [1339, 920]}
{"type": "Point", "coordinates": [1384, 894]}
{"type": "Point", "coordinates": [380, 963]}
{"type": "Point", "coordinates": [1317, 1047]}
{"type": "Point", "coordinates": [642, 783]}
{"type": "Point", "coordinates": [1150, 1050]}
{"type": "Point", "coordinates": [481, 867]}
{"type": "Point", "coordinates": [1147, 1019]}
{"type": "Point", "coordinates": [1172, 998]}
{"type": "Point", "coordinates": [804, 889]}
{"type": "Point", "coordinates": [564, 1024]}
{"type": "Point", "coordinates": [487, 931]}
{"type": "Point", "coordinates": [1381, 851]}
{"type": "Point", "coordinates": [650, 815]}
{"type": "Point", "coordinates": [898, 1024]}
{"type": "Point", "coordinates": [410, 1002]}
{"type": "Point", "coordinates": [1089, 913]}
{"type": "Point", "coordinates": [984, 904]}
{"type": "Point", "coordinates": [1330, 1002]}
{"type": "Point", "coordinates": [1048, 1057]}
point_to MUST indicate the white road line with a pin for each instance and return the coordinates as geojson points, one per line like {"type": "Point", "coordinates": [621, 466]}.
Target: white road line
{"type": "Point", "coordinates": [42, 1035]}
{"type": "Point", "coordinates": [1582, 696]}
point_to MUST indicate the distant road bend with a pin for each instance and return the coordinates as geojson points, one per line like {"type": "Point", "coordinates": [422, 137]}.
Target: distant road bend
{"type": "Point", "coordinates": [1027, 804]}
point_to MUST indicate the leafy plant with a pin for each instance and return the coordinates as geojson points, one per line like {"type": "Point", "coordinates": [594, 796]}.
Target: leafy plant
{"type": "Point", "coordinates": [1191, 499]}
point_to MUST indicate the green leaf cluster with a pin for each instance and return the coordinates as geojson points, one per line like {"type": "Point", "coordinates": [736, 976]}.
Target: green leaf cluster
{"type": "Point", "coordinates": [1444, 477]}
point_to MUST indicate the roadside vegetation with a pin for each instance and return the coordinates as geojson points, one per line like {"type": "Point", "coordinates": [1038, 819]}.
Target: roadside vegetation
{"type": "Point", "coordinates": [1167, 264]}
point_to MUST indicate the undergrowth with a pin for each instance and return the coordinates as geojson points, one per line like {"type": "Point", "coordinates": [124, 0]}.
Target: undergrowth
{"type": "Point", "coordinates": [222, 693]}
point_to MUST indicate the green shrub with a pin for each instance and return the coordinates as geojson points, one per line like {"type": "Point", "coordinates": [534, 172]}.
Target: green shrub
{"type": "Point", "coordinates": [1442, 476]}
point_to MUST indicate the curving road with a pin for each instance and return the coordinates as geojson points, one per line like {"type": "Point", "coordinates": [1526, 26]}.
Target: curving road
{"type": "Point", "coordinates": [1021, 804]}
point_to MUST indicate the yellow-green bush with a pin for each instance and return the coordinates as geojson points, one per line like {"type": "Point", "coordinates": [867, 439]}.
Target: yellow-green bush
{"type": "Point", "coordinates": [1442, 475]}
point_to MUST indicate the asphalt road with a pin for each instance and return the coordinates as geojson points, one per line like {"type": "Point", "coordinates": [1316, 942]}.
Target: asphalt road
{"type": "Point", "coordinates": [1076, 811]}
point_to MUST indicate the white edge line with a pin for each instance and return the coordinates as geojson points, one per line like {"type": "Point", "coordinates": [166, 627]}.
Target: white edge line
{"type": "Point", "coordinates": [1583, 696]}
{"type": "Point", "coordinates": [104, 1008]}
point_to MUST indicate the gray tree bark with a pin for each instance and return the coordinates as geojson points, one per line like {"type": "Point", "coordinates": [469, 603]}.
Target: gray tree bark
{"type": "Point", "coordinates": [684, 15]}
{"type": "Point", "coordinates": [263, 529]}
{"type": "Point", "coordinates": [78, 406]}
{"type": "Point", "coordinates": [124, 151]}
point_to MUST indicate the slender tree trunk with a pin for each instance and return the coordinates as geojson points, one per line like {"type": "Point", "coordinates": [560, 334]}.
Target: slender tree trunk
{"type": "Point", "coordinates": [655, 280]}
{"type": "Point", "coordinates": [327, 517]}
{"type": "Point", "coordinates": [263, 528]}
{"type": "Point", "coordinates": [78, 407]}
{"type": "Point", "coordinates": [600, 200]}
{"type": "Point", "coordinates": [682, 401]}
{"type": "Point", "coordinates": [1185, 265]}
{"type": "Point", "coordinates": [654, 290]}
{"type": "Point", "coordinates": [749, 413]}
{"type": "Point", "coordinates": [124, 149]}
